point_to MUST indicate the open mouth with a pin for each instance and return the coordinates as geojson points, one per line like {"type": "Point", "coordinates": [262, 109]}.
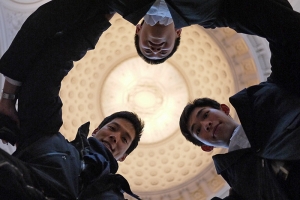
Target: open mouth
{"type": "Point", "coordinates": [156, 44]}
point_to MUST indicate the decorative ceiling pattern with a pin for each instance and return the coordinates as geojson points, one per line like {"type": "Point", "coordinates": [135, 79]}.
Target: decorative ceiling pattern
{"type": "Point", "coordinates": [112, 78]}
{"type": "Point", "coordinates": [213, 63]}
{"type": "Point", "coordinates": [156, 93]}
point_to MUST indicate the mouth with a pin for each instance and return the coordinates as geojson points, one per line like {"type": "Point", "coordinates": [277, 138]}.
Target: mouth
{"type": "Point", "coordinates": [215, 129]}
{"type": "Point", "coordinates": [107, 145]}
{"type": "Point", "coordinates": [156, 44]}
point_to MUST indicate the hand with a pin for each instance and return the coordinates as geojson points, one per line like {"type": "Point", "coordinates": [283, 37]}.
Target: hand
{"type": "Point", "coordinates": [10, 129]}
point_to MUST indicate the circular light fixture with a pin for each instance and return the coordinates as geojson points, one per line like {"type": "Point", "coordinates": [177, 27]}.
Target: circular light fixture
{"type": "Point", "coordinates": [157, 93]}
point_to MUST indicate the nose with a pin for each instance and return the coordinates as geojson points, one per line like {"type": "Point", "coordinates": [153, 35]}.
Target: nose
{"type": "Point", "coordinates": [155, 49]}
{"type": "Point", "coordinates": [207, 126]}
{"type": "Point", "coordinates": [115, 137]}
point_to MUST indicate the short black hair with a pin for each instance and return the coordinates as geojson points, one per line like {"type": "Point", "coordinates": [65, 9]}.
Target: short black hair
{"type": "Point", "coordinates": [185, 116]}
{"type": "Point", "coordinates": [133, 118]}
{"type": "Point", "coordinates": [154, 61]}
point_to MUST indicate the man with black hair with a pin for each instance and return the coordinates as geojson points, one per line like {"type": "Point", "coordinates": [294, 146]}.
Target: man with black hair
{"type": "Point", "coordinates": [264, 157]}
{"type": "Point", "coordinates": [45, 165]}
{"type": "Point", "coordinates": [156, 38]}
{"type": "Point", "coordinates": [261, 18]}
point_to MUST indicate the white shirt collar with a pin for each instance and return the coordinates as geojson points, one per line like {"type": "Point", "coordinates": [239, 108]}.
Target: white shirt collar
{"type": "Point", "coordinates": [159, 12]}
{"type": "Point", "coordinates": [238, 139]}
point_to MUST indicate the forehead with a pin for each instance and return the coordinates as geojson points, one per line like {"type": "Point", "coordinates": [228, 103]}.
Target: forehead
{"type": "Point", "coordinates": [124, 124]}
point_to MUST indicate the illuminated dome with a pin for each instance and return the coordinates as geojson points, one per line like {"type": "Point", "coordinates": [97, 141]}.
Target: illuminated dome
{"type": "Point", "coordinates": [155, 93]}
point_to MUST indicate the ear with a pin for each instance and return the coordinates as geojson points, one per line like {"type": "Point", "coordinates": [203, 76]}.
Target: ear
{"type": "Point", "coordinates": [138, 28]}
{"type": "Point", "coordinates": [95, 131]}
{"type": "Point", "coordinates": [207, 148]}
{"type": "Point", "coordinates": [225, 109]}
{"type": "Point", "coordinates": [123, 157]}
{"type": "Point", "coordinates": [178, 32]}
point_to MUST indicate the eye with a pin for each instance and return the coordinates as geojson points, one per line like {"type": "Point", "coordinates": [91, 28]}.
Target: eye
{"type": "Point", "coordinates": [163, 53]}
{"type": "Point", "coordinates": [147, 51]}
{"type": "Point", "coordinates": [124, 140]}
{"type": "Point", "coordinates": [198, 131]}
{"type": "Point", "coordinates": [205, 115]}
{"type": "Point", "coordinates": [112, 128]}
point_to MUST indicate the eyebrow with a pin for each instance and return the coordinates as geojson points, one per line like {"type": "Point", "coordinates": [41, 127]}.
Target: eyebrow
{"type": "Point", "coordinates": [197, 115]}
{"type": "Point", "coordinates": [119, 126]}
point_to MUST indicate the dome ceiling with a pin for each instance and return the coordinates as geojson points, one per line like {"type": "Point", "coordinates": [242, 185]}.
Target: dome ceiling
{"type": "Point", "coordinates": [113, 78]}
{"type": "Point", "coordinates": [209, 63]}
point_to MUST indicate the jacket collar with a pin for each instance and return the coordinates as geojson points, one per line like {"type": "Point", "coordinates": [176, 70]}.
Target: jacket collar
{"type": "Point", "coordinates": [224, 161]}
{"type": "Point", "coordinates": [139, 9]}
{"type": "Point", "coordinates": [81, 143]}
{"type": "Point", "coordinates": [99, 148]}
{"type": "Point", "coordinates": [179, 21]}
{"type": "Point", "coordinates": [243, 106]}
{"type": "Point", "coordinates": [133, 13]}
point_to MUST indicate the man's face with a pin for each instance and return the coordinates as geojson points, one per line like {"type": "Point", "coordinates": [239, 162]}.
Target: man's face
{"type": "Point", "coordinates": [117, 135]}
{"type": "Point", "coordinates": [157, 42]}
{"type": "Point", "coordinates": [211, 126]}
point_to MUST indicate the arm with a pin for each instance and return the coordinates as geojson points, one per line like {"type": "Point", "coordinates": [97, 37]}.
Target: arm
{"type": "Point", "coordinates": [49, 19]}
{"type": "Point", "coordinates": [69, 30]}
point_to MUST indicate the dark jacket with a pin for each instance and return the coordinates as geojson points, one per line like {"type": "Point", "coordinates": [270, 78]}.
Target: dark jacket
{"type": "Point", "coordinates": [55, 35]}
{"type": "Point", "coordinates": [83, 169]}
{"type": "Point", "coordinates": [254, 17]}
{"type": "Point", "coordinates": [184, 13]}
{"type": "Point", "coordinates": [270, 116]}
{"type": "Point", "coordinates": [71, 27]}
{"type": "Point", "coordinates": [55, 166]}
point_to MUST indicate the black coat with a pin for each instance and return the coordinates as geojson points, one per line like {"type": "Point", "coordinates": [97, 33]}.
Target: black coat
{"type": "Point", "coordinates": [54, 164]}
{"type": "Point", "coordinates": [263, 18]}
{"type": "Point", "coordinates": [270, 117]}
{"type": "Point", "coordinates": [83, 169]}
{"type": "Point", "coordinates": [55, 35]}
{"type": "Point", "coordinates": [61, 169]}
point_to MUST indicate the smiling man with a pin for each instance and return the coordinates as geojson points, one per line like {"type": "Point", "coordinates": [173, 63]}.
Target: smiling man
{"type": "Point", "coordinates": [45, 165]}
{"type": "Point", "coordinates": [263, 158]}
{"type": "Point", "coordinates": [120, 135]}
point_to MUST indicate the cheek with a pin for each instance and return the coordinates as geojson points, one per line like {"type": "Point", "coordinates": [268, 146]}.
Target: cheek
{"type": "Point", "coordinates": [124, 147]}
{"type": "Point", "coordinates": [142, 39]}
{"type": "Point", "coordinates": [204, 138]}
{"type": "Point", "coordinates": [170, 45]}
{"type": "Point", "coordinates": [199, 138]}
